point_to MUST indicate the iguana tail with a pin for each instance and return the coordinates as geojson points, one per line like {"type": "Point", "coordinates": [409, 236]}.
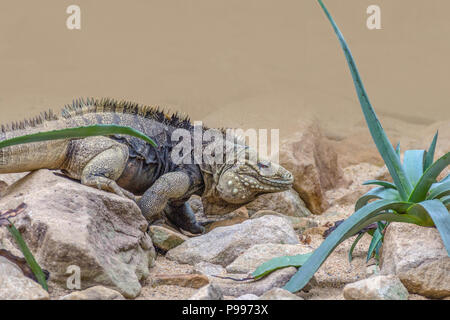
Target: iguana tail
{"type": "Point", "coordinates": [36, 155]}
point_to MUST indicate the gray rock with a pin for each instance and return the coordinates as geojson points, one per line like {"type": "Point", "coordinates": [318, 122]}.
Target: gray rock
{"type": "Point", "coordinates": [233, 288]}
{"type": "Point", "coordinates": [68, 224]}
{"type": "Point", "coordinates": [166, 239]}
{"type": "Point", "coordinates": [418, 257]}
{"type": "Point", "coordinates": [15, 286]}
{"type": "Point", "coordinates": [224, 244]}
{"type": "Point", "coordinates": [287, 203]}
{"type": "Point", "coordinates": [376, 288]}
{"type": "Point", "coordinates": [279, 294]}
{"type": "Point", "coordinates": [208, 292]}
{"type": "Point", "coordinates": [208, 269]}
{"type": "Point", "coordinates": [260, 253]}
{"type": "Point", "coordinates": [247, 296]}
{"type": "Point", "coordinates": [94, 293]}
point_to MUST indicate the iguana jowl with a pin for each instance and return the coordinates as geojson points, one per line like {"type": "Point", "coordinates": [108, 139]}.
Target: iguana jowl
{"type": "Point", "coordinates": [129, 166]}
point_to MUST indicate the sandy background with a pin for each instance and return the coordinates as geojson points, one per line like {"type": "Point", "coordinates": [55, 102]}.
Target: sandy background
{"type": "Point", "coordinates": [239, 63]}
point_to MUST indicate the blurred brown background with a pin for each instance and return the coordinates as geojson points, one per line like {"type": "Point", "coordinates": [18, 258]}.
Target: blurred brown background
{"type": "Point", "coordinates": [239, 63]}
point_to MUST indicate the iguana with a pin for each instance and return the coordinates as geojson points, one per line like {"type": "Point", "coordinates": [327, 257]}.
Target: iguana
{"type": "Point", "coordinates": [130, 167]}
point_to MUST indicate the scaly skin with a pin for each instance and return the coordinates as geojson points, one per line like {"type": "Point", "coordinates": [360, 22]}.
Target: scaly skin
{"type": "Point", "coordinates": [131, 167]}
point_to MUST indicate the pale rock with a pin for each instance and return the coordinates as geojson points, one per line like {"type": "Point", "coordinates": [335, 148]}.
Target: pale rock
{"type": "Point", "coordinates": [312, 160]}
{"type": "Point", "coordinates": [376, 288]}
{"type": "Point", "coordinates": [164, 238]}
{"type": "Point", "coordinates": [247, 296]}
{"type": "Point", "coordinates": [418, 257]}
{"type": "Point", "coordinates": [15, 286]}
{"type": "Point", "coordinates": [68, 224]}
{"type": "Point", "coordinates": [208, 269]}
{"type": "Point", "coordinates": [183, 280]}
{"type": "Point", "coordinates": [279, 294]}
{"type": "Point", "coordinates": [94, 293]}
{"type": "Point", "coordinates": [286, 202]}
{"type": "Point", "coordinates": [224, 244]}
{"type": "Point", "coordinates": [208, 292]}
{"type": "Point", "coordinates": [276, 279]}
{"type": "Point", "coordinates": [260, 253]}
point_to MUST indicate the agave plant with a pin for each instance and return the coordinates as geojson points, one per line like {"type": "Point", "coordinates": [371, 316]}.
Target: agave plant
{"type": "Point", "coordinates": [414, 196]}
{"type": "Point", "coordinates": [77, 132]}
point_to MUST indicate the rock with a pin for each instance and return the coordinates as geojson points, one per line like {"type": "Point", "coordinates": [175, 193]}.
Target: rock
{"type": "Point", "coordinates": [287, 203]}
{"type": "Point", "coordinates": [67, 224]}
{"type": "Point", "coordinates": [94, 293]}
{"type": "Point", "coordinates": [376, 288]}
{"type": "Point", "coordinates": [247, 296]}
{"type": "Point", "coordinates": [208, 269]}
{"type": "Point", "coordinates": [279, 294]}
{"type": "Point", "coordinates": [372, 270]}
{"type": "Point", "coordinates": [260, 253]}
{"type": "Point", "coordinates": [166, 239]}
{"type": "Point", "coordinates": [224, 223]}
{"type": "Point", "coordinates": [315, 230]}
{"type": "Point", "coordinates": [298, 223]}
{"type": "Point", "coordinates": [276, 279]}
{"type": "Point", "coordinates": [183, 280]}
{"type": "Point", "coordinates": [8, 179]}
{"type": "Point", "coordinates": [314, 163]}
{"type": "Point", "coordinates": [224, 244]}
{"type": "Point", "coordinates": [209, 292]}
{"type": "Point", "coordinates": [418, 257]}
{"type": "Point", "coordinates": [15, 286]}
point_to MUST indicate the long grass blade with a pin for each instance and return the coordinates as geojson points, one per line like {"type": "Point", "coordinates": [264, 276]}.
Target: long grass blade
{"type": "Point", "coordinates": [280, 262]}
{"type": "Point", "coordinates": [28, 256]}
{"type": "Point", "coordinates": [385, 148]}
{"type": "Point", "coordinates": [79, 132]}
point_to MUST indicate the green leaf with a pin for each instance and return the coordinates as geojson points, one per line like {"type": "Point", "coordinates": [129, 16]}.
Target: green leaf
{"type": "Point", "coordinates": [350, 252]}
{"type": "Point", "coordinates": [397, 150]}
{"type": "Point", "coordinates": [385, 184]}
{"type": "Point", "coordinates": [373, 212]}
{"type": "Point", "coordinates": [439, 190]}
{"type": "Point", "coordinates": [280, 262]}
{"type": "Point", "coordinates": [446, 201]}
{"type": "Point", "coordinates": [430, 154]}
{"type": "Point", "coordinates": [79, 132]}
{"type": "Point", "coordinates": [377, 237]}
{"type": "Point", "coordinates": [441, 218]}
{"type": "Point", "coordinates": [377, 193]}
{"type": "Point", "coordinates": [28, 256]}
{"type": "Point", "coordinates": [385, 148]}
{"type": "Point", "coordinates": [428, 178]}
{"type": "Point", "coordinates": [413, 162]}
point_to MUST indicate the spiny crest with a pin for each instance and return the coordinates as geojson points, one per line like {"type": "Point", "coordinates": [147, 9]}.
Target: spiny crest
{"type": "Point", "coordinates": [90, 105]}
{"type": "Point", "coordinates": [33, 122]}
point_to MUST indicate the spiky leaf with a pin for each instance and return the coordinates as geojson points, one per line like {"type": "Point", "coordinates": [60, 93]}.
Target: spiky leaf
{"type": "Point", "coordinates": [79, 132]}
{"type": "Point", "coordinates": [385, 148]}
{"type": "Point", "coordinates": [428, 178]}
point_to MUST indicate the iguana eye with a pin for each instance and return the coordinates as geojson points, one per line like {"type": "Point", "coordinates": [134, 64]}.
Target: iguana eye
{"type": "Point", "coordinates": [262, 165]}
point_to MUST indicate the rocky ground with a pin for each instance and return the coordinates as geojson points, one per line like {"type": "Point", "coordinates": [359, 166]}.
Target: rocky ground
{"type": "Point", "coordinates": [71, 227]}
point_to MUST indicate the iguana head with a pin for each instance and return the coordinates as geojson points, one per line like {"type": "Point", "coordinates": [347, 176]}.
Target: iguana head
{"type": "Point", "coordinates": [241, 179]}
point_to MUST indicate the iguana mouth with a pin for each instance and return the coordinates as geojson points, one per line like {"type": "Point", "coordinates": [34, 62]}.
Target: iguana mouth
{"type": "Point", "coordinates": [267, 184]}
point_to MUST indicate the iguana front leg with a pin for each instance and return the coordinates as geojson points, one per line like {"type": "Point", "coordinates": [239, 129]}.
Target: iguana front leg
{"type": "Point", "coordinates": [183, 216]}
{"type": "Point", "coordinates": [170, 186]}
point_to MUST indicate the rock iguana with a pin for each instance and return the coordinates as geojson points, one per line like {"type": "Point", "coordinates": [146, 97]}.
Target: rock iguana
{"type": "Point", "coordinates": [130, 167]}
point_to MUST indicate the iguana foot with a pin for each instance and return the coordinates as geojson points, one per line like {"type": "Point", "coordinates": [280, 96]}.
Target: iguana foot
{"type": "Point", "coordinates": [106, 184]}
{"type": "Point", "coordinates": [183, 217]}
